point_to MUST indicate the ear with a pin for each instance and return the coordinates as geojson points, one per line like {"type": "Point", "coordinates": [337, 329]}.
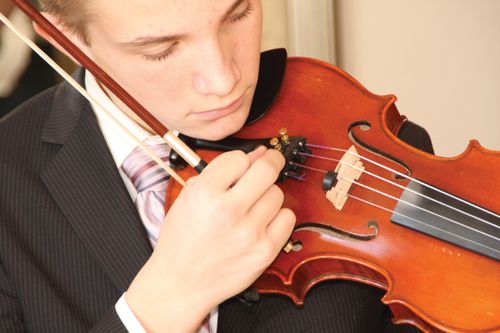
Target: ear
{"type": "Point", "coordinates": [69, 34]}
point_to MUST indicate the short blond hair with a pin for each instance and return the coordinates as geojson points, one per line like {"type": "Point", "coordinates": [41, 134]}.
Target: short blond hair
{"type": "Point", "coordinates": [73, 14]}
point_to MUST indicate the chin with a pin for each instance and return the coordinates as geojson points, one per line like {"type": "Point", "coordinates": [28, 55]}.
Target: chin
{"type": "Point", "coordinates": [220, 133]}
{"type": "Point", "coordinates": [223, 127]}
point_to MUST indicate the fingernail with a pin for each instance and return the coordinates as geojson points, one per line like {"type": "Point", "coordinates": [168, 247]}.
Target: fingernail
{"type": "Point", "coordinates": [261, 148]}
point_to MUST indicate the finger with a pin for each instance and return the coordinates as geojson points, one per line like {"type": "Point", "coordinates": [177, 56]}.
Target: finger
{"type": "Point", "coordinates": [225, 170]}
{"type": "Point", "coordinates": [257, 153]}
{"type": "Point", "coordinates": [259, 177]}
{"type": "Point", "coordinates": [280, 229]}
{"type": "Point", "coordinates": [267, 207]}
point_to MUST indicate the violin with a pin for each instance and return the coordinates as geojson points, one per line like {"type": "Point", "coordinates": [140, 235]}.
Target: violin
{"type": "Point", "coordinates": [373, 209]}
{"type": "Point", "coordinates": [370, 208]}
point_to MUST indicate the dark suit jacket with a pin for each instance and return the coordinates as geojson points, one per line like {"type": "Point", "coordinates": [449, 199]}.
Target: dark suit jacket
{"type": "Point", "coordinates": [71, 240]}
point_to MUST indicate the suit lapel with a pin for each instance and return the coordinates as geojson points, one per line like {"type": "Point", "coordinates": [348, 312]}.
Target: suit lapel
{"type": "Point", "coordinates": [87, 187]}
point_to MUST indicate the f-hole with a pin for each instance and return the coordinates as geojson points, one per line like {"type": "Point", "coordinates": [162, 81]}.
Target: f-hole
{"type": "Point", "coordinates": [365, 126]}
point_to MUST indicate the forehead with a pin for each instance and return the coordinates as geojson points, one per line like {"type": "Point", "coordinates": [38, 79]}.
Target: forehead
{"type": "Point", "coordinates": [158, 16]}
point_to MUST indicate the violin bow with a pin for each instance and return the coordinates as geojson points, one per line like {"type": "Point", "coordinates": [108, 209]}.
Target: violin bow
{"type": "Point", "coordinates": [171, 139]}
{"type": "Point", "coordinates": [91, 99]}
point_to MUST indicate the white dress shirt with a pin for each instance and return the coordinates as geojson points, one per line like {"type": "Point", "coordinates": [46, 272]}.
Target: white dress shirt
{"type": "Point", "coordinates": [121, 145]}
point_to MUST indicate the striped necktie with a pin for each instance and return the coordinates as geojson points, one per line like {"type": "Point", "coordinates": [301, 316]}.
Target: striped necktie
{"type": "Point", "coordinates": [150, 181]}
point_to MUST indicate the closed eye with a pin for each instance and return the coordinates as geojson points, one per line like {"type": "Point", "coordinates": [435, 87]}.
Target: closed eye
{"type": "Point", "coordinates": [162, 55]}
{"type": "Point", "coordinates": [242, 15]}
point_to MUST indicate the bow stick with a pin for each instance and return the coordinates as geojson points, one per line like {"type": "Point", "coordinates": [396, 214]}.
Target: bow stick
{"type": "Point", "coordinates": [89, 97]}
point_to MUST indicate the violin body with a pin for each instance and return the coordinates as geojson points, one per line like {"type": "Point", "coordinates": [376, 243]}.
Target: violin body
{"type": "Point", "coordinates": [431, 283]}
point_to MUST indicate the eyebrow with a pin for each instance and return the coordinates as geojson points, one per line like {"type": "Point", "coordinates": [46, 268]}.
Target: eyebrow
{"type": "Point", "coordinates": [151, 40]}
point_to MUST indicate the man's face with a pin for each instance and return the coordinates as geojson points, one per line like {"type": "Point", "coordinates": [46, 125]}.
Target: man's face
{"type": "Point", "coordinates": [192, 63]}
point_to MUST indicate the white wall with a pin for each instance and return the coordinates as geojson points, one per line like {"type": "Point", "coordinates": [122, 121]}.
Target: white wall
{"type": "Point", "coordinates": [440, 57]}
{"type": "Point", "coordinates": [303, 27]}
{"type": "Point", "coordinates": [275, 30]}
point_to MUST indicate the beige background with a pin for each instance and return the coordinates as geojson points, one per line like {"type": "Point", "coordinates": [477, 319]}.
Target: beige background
{"type": "Point", "coordinates": [440, 57]}
{"type": "Point", "coordinates": [275, 30]}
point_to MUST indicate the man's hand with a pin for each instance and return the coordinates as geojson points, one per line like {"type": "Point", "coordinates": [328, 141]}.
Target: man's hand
{"type": "Point", "coordinates": [225, 228]}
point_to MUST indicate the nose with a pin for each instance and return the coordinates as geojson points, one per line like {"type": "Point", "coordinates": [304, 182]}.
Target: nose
{"type": "Point", "coordinates": [218, 73]}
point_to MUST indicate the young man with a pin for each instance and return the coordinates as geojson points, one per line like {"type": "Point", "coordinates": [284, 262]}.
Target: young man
{"type": "Point", "coordinates": [74, 253]}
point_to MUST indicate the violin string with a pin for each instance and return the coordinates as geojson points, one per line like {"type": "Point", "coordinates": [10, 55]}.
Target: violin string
{"type": "Point", "coordinates": [407, 177]}
{"type": "Point", "coordinates": [403, 188]}
{"type": "Point", "coordinates": [89, 98]}
{"type": "Point", "coordinates": [296, 177]}
{"type": "Point", "coordinates": [420, 208]}
{"type": "Point", "coordinates": [418, 221]}
{"type": "Point", "coordinates": [389, 210]}
{"type": "Point", "coordinates": [402, 201]}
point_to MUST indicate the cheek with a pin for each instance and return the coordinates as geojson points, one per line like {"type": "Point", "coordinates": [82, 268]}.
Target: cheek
{"type": "Point", "coordinates": [160, 94]}
{"type": "Point", "coordinates": [248, 50]}
{"type": "Point", "coordinates": [157, 86]}
{"type": "Point", "coordinates": [165, 94]}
